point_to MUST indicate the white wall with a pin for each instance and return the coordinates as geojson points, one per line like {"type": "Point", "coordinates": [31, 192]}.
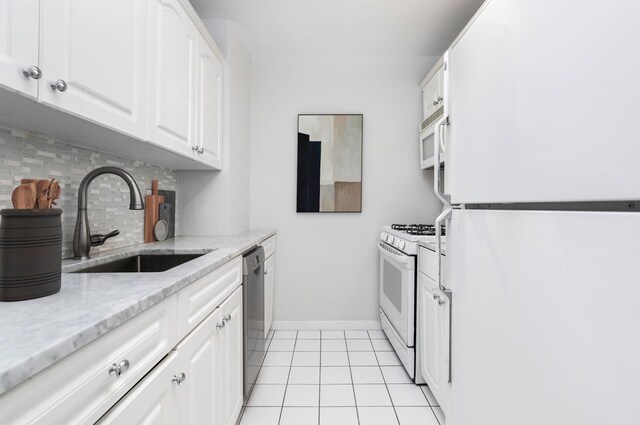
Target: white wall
{"type": "Point", "coordinates": [216, 202]}
{"type": "Point", "coordinates": [327, 264]}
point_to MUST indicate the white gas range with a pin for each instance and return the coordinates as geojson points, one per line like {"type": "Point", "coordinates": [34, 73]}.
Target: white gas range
{"type": "Point", "coordinates": [399, 246]}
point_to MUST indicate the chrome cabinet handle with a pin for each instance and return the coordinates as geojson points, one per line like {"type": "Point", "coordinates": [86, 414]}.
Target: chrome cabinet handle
{"type": "Point", "coordinates": [201, 150]}
{"type": "Point", "coordinates": [194, 148]}
{"type": "Point", "coordinates": [119, 369]}
{"type": "Point", "coordinates": [436, 296]}
{"type": "Point", "coordinates": [266, 272]}
{"type": "Point", "coordinates": [32, 72]}
{"type": "Point", "coordinates": [221, 324]}
{"type": "Point", "coordinates": [226, 318]}
{"type": "Point", "coordinates": [59, 85]}
{"type": "Point", "coordinates": [435, 102]}
{"type": "Point", "coordinates": [179, 379]}
{"type": "Point", "coordinates": [440, 301]}
{"type": "Point", "coordinates": [439, 100]}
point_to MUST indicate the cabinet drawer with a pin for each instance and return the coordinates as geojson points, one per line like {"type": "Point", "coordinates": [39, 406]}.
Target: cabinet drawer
{"type": "Point", "coordinates": [155, 400]}
{"type": "Point", "coordinates": [198, 300]}
{"type": "Point", "coordinates": [269, 246]}
{"type": "Point", "coordinates": [79, 389]}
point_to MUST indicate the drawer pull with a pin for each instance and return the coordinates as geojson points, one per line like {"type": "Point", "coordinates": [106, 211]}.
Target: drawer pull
{"type": "Point", "coordinates": [179, 379]}
{"type": "Point", "coordinates": [227, 318]}
{"type": "Point", "coordinates": [119, 369]}
{"type": "Point", "coordinates": [59, 85]}
{"type": "Point", "coordinates": [32, 72]}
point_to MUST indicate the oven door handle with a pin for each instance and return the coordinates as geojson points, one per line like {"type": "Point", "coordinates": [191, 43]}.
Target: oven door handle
{"type": "Point", "coordinates": [402, 259]}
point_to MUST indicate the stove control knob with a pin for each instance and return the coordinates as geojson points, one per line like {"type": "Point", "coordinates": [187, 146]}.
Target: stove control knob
{"type": "Point", "coordinates": [401, 244]}
{"type": "Point", "coordinates": [391, 239]}
{"type": "Point", "coordinates": [382, 235]}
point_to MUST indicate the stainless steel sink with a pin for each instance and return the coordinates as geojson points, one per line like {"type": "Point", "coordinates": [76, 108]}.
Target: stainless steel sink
{"type": "Point", "coordinates": [144, 263]}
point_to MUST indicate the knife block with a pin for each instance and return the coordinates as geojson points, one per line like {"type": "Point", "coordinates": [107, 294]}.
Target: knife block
{"type": "Point", "coordinates": [30, 253]}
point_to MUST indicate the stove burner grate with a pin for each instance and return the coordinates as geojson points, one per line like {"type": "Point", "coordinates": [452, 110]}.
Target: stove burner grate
{"type": "Point", "coordinates": [417, 229]}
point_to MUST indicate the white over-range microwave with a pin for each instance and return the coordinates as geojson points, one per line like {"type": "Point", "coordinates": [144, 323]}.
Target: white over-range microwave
{"type": "Point", "coordinates": [435, 95]}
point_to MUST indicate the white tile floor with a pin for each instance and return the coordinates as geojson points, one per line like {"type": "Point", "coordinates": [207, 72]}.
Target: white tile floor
{"type": "Point", "coordinates": [336, 378]}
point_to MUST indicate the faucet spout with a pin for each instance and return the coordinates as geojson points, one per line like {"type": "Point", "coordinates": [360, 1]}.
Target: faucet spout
{"type": "Point", "coordinates": [82, 233]}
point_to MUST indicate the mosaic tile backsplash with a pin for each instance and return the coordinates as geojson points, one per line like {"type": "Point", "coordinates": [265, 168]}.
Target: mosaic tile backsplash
{"type": "Point", "coordinates": [25, 155]}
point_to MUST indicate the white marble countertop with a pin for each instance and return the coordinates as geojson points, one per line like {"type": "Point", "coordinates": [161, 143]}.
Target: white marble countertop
{"type": "Point", "coordinates": [35, 334]}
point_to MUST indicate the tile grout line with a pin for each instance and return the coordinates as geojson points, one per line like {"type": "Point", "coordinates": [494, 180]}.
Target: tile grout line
{"type": "Point", "coordinates": [320, 377]}
{"type": "Point", "coordinates": [284, 396]}
{"type": "Point", "coordinates": [353, 387]}
{"type": "Point", "coordinates": [386, 386]}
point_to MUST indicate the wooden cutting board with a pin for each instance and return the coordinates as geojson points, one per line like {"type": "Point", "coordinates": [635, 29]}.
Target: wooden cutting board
{"type": "Point", "coordinates": [151, 211]}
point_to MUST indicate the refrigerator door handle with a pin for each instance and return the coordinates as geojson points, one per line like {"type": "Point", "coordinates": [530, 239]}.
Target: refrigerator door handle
{"type": "Point", "coordinates": [446, 214]}
{"type": "Point", "coordinates": [438, 138]}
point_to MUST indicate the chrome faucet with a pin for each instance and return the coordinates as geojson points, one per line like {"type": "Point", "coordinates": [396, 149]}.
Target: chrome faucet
{"type": "Point", "coordinates": [83, 240]}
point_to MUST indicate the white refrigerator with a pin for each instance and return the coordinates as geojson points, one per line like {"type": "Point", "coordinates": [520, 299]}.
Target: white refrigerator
{"type": "Point", "coordinates": [542, 152]}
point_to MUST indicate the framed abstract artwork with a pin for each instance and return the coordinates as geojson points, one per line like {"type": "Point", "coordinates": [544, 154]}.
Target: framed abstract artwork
{"type": "Point", "coordinates": [329, 163]}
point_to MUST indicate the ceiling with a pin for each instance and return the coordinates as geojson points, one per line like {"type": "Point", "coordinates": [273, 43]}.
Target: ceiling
{"type": "Point", "coordinates": [343, 27]}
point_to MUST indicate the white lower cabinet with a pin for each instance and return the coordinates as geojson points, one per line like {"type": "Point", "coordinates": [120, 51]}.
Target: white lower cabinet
{"type": "Point", "coordinates": [269, 246]}
{"type": "Point", "coordinates": [199, 357]}
{"type": "Point", "coordinates": [230, 374]}
{"type": "Point", "coordinates": [155, 400]}
{"type": "Point", "coordinates": [141, 373]}
{"type": "Point", "coordinates": [80, 388]}
{"type": "Point", "coordinates": [199, 383]}
{"type": "Point", "coordinates": [269, 283]}
{"type": "Point", "coordinates": [433, 329]}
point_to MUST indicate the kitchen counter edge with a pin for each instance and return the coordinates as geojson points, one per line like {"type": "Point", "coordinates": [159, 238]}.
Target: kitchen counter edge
{"type": "Point", "coordinates": [38, 333]}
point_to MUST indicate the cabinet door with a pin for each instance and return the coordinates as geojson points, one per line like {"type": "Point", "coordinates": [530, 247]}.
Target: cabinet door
{"type": "Point", "coordinates": [429, 326]}
{"type": "Point", "coordinates": [18, 44]}
{"type": "Point", "coordinates": [430, 96]}
{"type": "Point", "coordinates": [155, 400]}
{"type": "Point", "coordinates": [172, 75]}
{"type": "Point", "coordinates": [209, 111]}
{"type": "Point", "coordinates": [199, 359]}
{"type": "Point", "coordinates": [269, 283]}
{"type": "Point", "coordinates": [98, 48]}
{"type": "Point", "coordinates": [230, 375]}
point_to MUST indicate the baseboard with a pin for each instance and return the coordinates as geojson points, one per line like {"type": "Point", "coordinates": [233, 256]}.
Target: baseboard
{"type": "Point", "coordinates": [328, 325]}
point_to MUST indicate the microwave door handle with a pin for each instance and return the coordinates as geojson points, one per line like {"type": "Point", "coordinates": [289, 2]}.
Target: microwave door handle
{"type": "Point", "coordinates": [442, 217]}
{"type": "Point", "coordinates": [399, 258]}
{"type": "Point", "coordinates": [437, 137]}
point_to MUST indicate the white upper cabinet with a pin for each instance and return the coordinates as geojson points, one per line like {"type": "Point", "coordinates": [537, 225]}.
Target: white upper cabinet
{"type": "Point", "coordinates": [432, 95]}
{"type": "Point", "coordinates": [94, 54]}
{"type": "Point", "coordinates": [524, 126]}
{"type": "Point", "coordinates": [19, 46]}
{"type": "Point", "coordinates": [209, 95]}
{"type": "Point", "coordinates": [172, 76]}
{"type": "Point", "coordinates": [137, 78]}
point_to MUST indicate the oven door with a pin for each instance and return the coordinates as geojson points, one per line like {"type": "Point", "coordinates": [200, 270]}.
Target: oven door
{"type": "Point", "coordinates": [397, 290]}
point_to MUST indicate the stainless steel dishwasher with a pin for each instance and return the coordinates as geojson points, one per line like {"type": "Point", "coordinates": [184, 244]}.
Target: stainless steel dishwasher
{"type": "Point", "coordinates": [253, 293]}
